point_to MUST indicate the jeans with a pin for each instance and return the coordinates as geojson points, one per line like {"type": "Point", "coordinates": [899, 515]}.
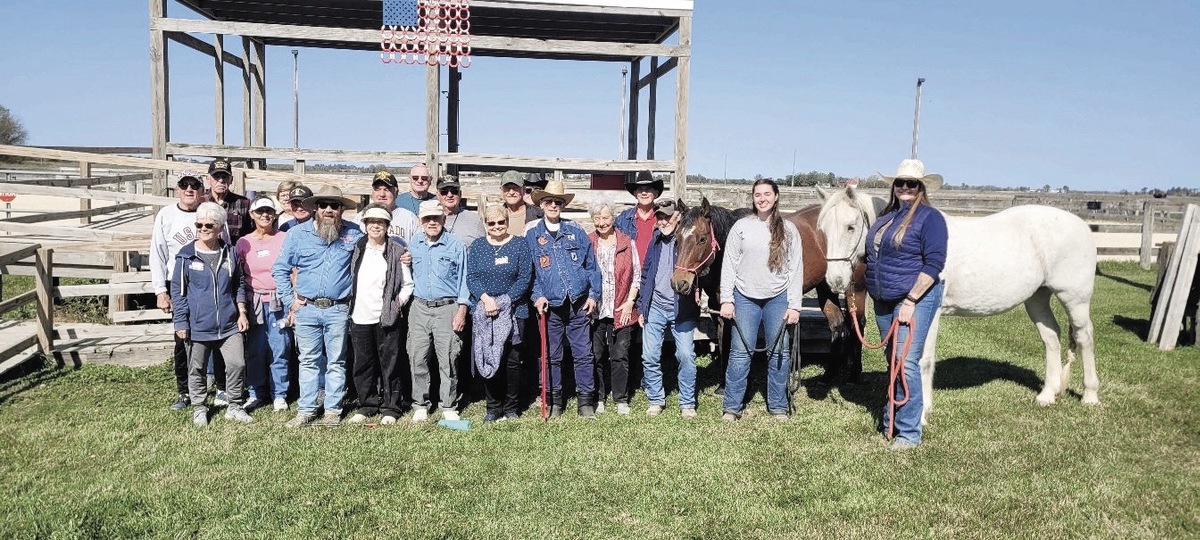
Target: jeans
{"type": "Point", "coordinates": [198, 354]}
{"type": "Point", "coordinates": [749, 313]}
{"type": "Point", "coordinates": [321, 344]}
{"type": "Point", "coordinates": [658, 321]}
{"type": "Point", "coordinates": [908, 416]}
{"type": "Point", "coordinates": [570, 323]}
{"type": "Point", "coordinates": [610, 348]}
{"type": "Point", "coordinates": [267, 345]}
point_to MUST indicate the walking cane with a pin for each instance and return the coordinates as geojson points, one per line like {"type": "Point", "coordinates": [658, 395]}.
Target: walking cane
{"type": "Point", "coordinates": [542, 328]}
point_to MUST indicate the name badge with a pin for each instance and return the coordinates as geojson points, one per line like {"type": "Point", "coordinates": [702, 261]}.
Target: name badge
{"type": "Point", "coordinates": [501, 260]}
{"type": "Point", "coordinates": [263, 253]}
{"type": "Point", "coordinates": [196, 265]}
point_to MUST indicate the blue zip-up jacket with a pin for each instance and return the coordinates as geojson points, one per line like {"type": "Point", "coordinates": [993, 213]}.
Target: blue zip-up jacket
{"type": "Point", "coordinates": [685, 305]}
{"type": "Point", "coordinates": [324, 268]}
{"type": "Point", "coordinates": [892, 270]}
{"type": "Point", "coordinates": [204, 301]}
{"type": "Point", "coordinates": [564, 266]}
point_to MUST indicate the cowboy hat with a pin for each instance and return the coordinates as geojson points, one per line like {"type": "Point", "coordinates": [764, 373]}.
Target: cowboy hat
{"type": "Point", "coordinates": [328, 193]}
{"type": "Point", "coordinates": [643, 178]}
{"type": "Point", "coordinates": [554, 188]}
{"type": "Point", "coordinates": [913, 169]}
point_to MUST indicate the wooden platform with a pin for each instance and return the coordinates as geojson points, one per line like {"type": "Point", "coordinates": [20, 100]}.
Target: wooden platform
{"type": "Point", "coordinates": [134, 346]}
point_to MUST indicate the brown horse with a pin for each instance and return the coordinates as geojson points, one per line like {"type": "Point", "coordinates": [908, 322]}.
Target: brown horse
{"type": "Point", "coordinates": [701, 235]}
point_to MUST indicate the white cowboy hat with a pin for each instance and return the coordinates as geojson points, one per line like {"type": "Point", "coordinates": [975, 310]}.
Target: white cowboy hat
{"type": "Point", "coordinates": [913, 169]}
{"type": "Point", "coordinates": [554, 188]}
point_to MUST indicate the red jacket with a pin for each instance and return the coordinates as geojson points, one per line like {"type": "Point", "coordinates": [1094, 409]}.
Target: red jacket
{"type": "Point", "coordinates": [622, 274]}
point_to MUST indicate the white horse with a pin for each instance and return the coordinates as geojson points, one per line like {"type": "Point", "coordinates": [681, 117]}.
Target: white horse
{"type": "Point", "coordinates": [1023, 254]}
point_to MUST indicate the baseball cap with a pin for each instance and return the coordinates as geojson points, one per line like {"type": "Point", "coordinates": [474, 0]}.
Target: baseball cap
{"type": "Point", "coordinates": [386, 178]}
{"type": "Point", "coordinates": [299, 193]}
{"type": "Point", "coordinates": [448, 180]}
{"type": "Point", "coordinates": [665, 206]}
{"type": "Point", "coordinates": [219, 166]}
{"type": "Point", "coordinates": [190, 179]}
{"type": "Point", "coordinates": [511, 177]}
{"type": "Point", "coordinates": [429, 208]}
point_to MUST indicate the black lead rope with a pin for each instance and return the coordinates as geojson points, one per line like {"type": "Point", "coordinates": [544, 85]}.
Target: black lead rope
{"type": "Point", "coordinates": [793, 380]}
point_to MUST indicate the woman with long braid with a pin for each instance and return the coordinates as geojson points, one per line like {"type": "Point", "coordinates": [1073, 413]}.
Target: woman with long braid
{"type": "Point", "coordinates": [761, 284]}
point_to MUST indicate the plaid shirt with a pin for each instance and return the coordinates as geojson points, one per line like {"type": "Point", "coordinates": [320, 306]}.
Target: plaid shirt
{"type": "Point", "coordinates": [237, 214]}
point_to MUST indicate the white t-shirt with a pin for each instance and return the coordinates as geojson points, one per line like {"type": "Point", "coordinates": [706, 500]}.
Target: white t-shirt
{"type": "Point", "coordinates": [368, 300]}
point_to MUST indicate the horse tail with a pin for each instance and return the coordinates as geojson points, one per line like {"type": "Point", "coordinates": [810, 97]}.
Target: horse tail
{"type": "Point", "coordinates": [1072, 346]}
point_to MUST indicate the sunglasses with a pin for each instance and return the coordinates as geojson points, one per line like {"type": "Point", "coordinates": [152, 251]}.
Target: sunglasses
{"type": "Point", "coordinates": [494, 223]}
{"type": "Point", "coordinates": [528, 190]}
{"type": "Point", "coordinates": [222, 178]}
{"type": "Point", "coordinates": [329, 204]}
{"type": "Point", "coordinates": [554, 201]}
{"type": "Point", "coordinates": [906, 183]}
{"type": "Point", "coordinates": [449, 191]}
{"type": "Point", "coordinates": [420, 179]}
{"type": "Point", "coordinates": [296, 203]}
{"type": "Point", "coordinates": [205, 226]}
{"type": "Point", "coordinates": [193, 185]}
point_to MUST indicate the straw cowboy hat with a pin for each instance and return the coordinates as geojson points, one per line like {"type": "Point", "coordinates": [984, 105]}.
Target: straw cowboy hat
{"type": "Point", "coordinates": [328, 193]}
{"type": "Point", "coordinates": [554, 188]}
{"type": "Point", "coordinates": [913, 169]}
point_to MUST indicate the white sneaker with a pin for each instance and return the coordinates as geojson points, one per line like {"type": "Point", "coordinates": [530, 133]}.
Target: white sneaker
{"type": "Point", "coordinates": [449, 415]}
{"type": "Point", "coordinates": [357, 419]}
{"type": "Point", "coordinates": [623, 408]}
{"type": "Point", "coordinates": [221, 399]}
{"type": "Point", "coordinates": [280, 404]}
{"type": "Point", "coordinates": [654, 410]}
{"type": "Point", "coordinates": [420, 415]}
{"type": "Point", "coordinates": [600, 407]}
{"type": "Point", "coordinates": [251, 404]}
{"type": "Point", "coordinates": [387, 420]}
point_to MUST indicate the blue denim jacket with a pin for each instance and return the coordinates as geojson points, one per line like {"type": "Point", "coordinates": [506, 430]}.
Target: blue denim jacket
{"type": "Point", "coordinates": [565, 266]}
{"type": "Point", "coordinates": [204, 302]}
{"type": "Point", "coordinates": [323, 268]}
{"type": "Point", "coordinates": [626, 222]}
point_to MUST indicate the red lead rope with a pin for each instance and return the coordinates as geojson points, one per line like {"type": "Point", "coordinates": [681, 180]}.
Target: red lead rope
{"type": "Point", "coordinates": [895, 363]}
{"type": "Point", "coordinates": [542, 327]}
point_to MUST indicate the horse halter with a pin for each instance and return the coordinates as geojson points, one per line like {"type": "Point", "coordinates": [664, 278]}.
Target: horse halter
{"type": "Point", "coordinates": [712, 252]}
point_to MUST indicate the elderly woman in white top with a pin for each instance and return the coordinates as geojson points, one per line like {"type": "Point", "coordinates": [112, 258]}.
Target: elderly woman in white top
{"type": "Point", "coordinates": [612, 330]}
{"type": "Point", "coordinates": [762, 282]}
{"type": "Point", "coordinates": [382, 284]}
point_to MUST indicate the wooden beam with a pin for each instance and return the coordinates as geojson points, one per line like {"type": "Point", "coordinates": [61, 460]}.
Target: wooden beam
{"type": "Point", "coordinates": [657, 72]}
{"type": "Point", "coordinates": [160, 106]}
{"type": "Point", "coordinates": [635, 67]}
{"type": "Point", "coordinates": [102, 149]}
{"type": "Point", "coordinates": [17, 301]}
{"type": "Point", "coordinates": [60, 271]}
{"type": "Point", "coordinates": [341, 156]}
{"type": "Point", "coordinates": [1147, 234]}
{"type": "Point", "coordinates": [433, 118]}
{"type": "Point", "coordinates": [97, 194]}
{"type": "Point", "coordinates": [85, 204]}
{"type": "Point", "coordinates": [572, 165]}
{"type": "Point", "coordinates": [103, 289]}
{"type": "Point", "coordinates": [258, 79]}
{"type": "Point", "coordinates": [651, 109]}
{"type": "Point", "coordinates": [682, 86]}
{"type": "Point", "coordinates": [481, 44]}
{"type": "Point", "coordinates": [138, 316]}
{"type": "Point", "coordinates": [219, 86]}
{"type": "Point", "coordinates": [85, 182]}
{"type": "Point", "coordinates": [67, 232]}
{"type": "Point", "coordinates": [19, 254]}
{"type": "Point", "coordinates": [57, 216]}
{"type": "Point", "coordinates": [44, 287]}
{"type": "Point", "coordinates": [247, 91]}
{"type": "Point", "coordinates": [1166, 285]}
{"type": "Point", "coordinates": [202, 47]}
{"type": "Point", "coordinates": [1187, 252]}
{"type": "Point", "coordinates": [682, 9]}
{"type": "Point", "coordinates": [116, 302]}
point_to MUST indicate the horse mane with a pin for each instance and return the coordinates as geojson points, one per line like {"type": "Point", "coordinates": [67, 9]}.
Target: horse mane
{"type": "Point", "coordinates": [854, 198]}
{"type": "Point", "coordinates": [722, 219]}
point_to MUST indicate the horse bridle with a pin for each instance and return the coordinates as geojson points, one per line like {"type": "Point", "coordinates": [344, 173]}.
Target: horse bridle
{"type": "Point", "coordinates": [712, 252]}
{"type": "Point", "coordinates": [852, 256]}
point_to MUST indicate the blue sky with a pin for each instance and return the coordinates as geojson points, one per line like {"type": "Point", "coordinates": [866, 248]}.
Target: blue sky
{"type": "Point", "coordinates": [1092, 95]}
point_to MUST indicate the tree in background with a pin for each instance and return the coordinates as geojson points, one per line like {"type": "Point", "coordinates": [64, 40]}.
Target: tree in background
{"type": "Point", "coordinates": [11, 131]}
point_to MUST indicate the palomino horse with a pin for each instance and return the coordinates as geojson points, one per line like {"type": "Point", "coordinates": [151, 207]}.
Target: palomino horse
{"type": "Point", "coordinates": [699, 242]}
{"type": "Point", "coordinates": [1024, 254]}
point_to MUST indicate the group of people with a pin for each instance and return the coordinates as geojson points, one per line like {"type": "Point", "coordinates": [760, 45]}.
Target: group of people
{"type": "Point", "coordinates": [414, 278]}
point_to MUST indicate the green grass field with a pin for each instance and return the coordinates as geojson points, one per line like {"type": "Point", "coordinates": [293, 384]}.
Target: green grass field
{"type": "Point", "coordinates": [95, 452]}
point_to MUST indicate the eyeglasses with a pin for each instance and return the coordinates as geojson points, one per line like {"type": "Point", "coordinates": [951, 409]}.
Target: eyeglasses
{"type": "Point", "coordinates": [449, 191]}
{"type": "Point", "coordinates": [420, 179]}
{"type": "Point", "coordinates": [528, 190]}
{"type": "Point", "coordinates": [193, 185]}
{"type": "Point", "coordinates": [906, 183]}
{"type": "Point", "coordinates": [205, 226]}
{"type": "Point", "coordinates": [554, 201]}
{"type": "Point", "coordinates": [263, 212]}
{"type": "Point", "coordinates": [222, 178]}
{"type": "Point", "coordinates": [494, 223]}
{"type": "Point", "coordinates": [329, 204]}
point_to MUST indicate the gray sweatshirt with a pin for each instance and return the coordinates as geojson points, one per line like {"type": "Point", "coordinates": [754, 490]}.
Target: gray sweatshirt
{"type": "Point", "coordinates": [745, 265]}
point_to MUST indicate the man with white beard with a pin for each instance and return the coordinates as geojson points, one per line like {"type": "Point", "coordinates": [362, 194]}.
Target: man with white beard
{"type": "Point", "coordinates": [320, 250]}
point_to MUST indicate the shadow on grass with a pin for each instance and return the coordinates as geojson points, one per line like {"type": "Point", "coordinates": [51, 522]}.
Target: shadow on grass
{"type": "Point", "coordinates": [1143, 286]}
{"type": "Point", "coordinates": [26, 376]}
{"type": "Point", "coordinates": [968, 372]}
{"type": "Point", "coordinates": [1138, 327]}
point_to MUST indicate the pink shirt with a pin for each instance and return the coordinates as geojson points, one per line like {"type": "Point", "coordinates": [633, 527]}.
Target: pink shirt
{"type": "Point", "coordinates": [258, 256]}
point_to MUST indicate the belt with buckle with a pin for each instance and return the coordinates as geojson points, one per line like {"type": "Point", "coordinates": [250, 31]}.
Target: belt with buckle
{"type": "Point", "coordinates": [324, 303]}
{"type": "Point", "coordinates": [439, 302]}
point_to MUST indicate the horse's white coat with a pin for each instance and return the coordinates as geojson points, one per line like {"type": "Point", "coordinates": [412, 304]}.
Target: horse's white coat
{"type": "Point", "coordinates": [1022, 255]}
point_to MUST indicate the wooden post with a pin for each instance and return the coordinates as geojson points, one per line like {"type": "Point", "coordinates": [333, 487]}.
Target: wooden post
{"type": "Point", "coordinates": [44, 284]}
{"type": "Point", "coordinates": [652, 107]}
{"type": "Point", "coordinates": [160, 105]}
{"type": "Point", "coordinates": [679, 185]}
{"type": "Point", "coordinates": [85, 171]}
{"type": "Point", "coordinates": [247, 125]}
{"type": "Point", "coordinates": [298, 166]}
{"type": "Point", "coordinates": [452, 81]}
{"type": "Point", "coordinates": [1147, 234]}
{"type": "Point", "coordinates": [1187, 251]}
{"type": "Point", "coordinates": [433, 88]}
{"type": "Point", "coordinates": [116, 302]}
{"type": "Point", "coordinates": [635, 68]}
{"type": "Point", "coordinates": [219, 86]}
{"type": "Point", "coordinates": [258, 72]}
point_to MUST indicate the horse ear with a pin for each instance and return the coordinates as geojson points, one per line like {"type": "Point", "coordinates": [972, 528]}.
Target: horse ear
{"type": "Point", "coordinates": [681, 206]}
{"type": "Point", "coordinates": [705, 208]}
{"type": "Point", "coordinates": [822, 194]}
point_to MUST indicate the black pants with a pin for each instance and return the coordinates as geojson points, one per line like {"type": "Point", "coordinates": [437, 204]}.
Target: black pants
{"type": "Point", "coordinates": [616, 342]}
{"type": "Point", "coordinates": [180, 361]}
{"type": "Point", "coordinates": [379, 373]}
{"type": "Point", "coordinates": [503, 390]}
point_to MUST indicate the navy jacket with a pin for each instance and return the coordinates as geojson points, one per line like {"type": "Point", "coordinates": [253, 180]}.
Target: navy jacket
{"type": "Point", "coordinates": [204, 301]}
{"type": "Point", "coordinates": [685, 305]}
{"type": "Point", "coordinates": [892, 270]}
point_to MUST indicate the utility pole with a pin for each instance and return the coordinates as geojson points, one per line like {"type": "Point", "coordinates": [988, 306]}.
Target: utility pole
{"type": "Point", "coordinates": [916, 117]}
{"type": "Point", "coordinates": [792, 178]}
{"type": "Point", "coordinates": [624, 103]}
{"type": "Point", "coordinates": [295, 98]}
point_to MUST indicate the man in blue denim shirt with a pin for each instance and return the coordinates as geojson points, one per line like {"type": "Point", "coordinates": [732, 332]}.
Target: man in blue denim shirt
{"type": "Point", "coordinates": [566, 287]}
{"type": "Point", "coordinates": [439, 311]}
{"type": "Point", "coordinates": [320, 249]}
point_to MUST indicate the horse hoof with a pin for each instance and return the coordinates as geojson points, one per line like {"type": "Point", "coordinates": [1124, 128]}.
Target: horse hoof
{"type": "Point", "coordinates": [1090, 398]}
{"type": "Point", "coordinates": [1045, 399]}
